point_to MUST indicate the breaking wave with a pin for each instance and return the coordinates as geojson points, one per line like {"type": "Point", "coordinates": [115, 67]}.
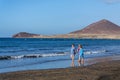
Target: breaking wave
{"type": "Point", "coordinates": [7, 57]}
{"type": "Point", "coordinates": [32, 56]}
{"type": "Point", "coordinates": [96, 52]}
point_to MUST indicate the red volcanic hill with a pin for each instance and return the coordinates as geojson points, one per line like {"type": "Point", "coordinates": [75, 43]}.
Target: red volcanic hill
{"type": "Point", "coordinates": [24, 35]}
{"type": "Point", "coordinates": [100, 27]}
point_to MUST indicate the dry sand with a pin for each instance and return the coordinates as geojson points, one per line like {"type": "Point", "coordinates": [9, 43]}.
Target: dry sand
{"type": "Point", "coordinates": [106, 69]}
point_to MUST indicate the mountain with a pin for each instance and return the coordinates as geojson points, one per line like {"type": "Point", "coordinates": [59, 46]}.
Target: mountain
{"type": "Point", "coordinates": [101, 27]}
{"type": "Point", "coordinates": [24, 35]}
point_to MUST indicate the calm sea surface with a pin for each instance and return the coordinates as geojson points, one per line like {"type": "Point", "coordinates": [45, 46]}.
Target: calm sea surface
{"type": "Point", "coordinates": [26, 54]}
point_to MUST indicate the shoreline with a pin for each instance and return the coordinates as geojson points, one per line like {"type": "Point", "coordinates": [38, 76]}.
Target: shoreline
{"type": "Point", "coordinates": [95, 60]}
{"type": "Point", "coordinates": [65, 38]}
{"type": "Point", "coordinates": [105, 67]}
{"type": "Point", "coordinates": [58, 64]}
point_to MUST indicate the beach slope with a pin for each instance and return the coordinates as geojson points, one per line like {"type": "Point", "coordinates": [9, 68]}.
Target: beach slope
{"type": "Point", "coordinates": [108, 70]}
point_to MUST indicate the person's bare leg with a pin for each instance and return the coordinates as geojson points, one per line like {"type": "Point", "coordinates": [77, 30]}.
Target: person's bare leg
{"type": "Point", "coordinates": [79, 62]}
{"type": "Point", "coordinates": [82, 61]}
{"type": "Point", "coordinates": [72, 64]}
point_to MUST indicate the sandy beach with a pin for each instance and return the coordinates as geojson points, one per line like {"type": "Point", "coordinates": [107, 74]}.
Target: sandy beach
{"type": "Point", "coordinates": [106, 68]}
{"type": "Point", "coordinates": [59, 40]}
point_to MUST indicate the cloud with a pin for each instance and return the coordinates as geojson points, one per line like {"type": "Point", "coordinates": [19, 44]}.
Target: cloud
{"type": "Point", "coordinates": [111, 1]}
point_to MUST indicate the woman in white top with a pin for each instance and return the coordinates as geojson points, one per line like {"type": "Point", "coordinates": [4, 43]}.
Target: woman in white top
{"type": "Point", "coordinates": [72, 55]}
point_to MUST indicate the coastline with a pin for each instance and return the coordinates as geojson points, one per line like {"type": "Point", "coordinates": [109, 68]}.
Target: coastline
{"type": "Point", "coordinates": [103, 68]}
{"type": "Point", "coordinates": [76, 36]}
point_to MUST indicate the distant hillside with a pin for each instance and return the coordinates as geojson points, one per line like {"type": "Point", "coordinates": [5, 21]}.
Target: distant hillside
{"type": "Point", "coordinates": [100, 27]}
{"type": "Point", "coordinates": [24, 35]}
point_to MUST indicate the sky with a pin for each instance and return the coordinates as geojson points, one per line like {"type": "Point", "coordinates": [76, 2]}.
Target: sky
{"type": "Point", "coordinates": [49, 17]}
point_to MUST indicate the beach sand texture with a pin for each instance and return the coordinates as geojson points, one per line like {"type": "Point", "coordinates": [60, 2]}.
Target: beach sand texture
{"type": "Point", "coordinates": [109, 70]}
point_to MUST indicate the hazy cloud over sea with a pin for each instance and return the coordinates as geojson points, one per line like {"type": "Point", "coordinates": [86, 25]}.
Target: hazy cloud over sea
{"type": "Point", "coordinates": [111, 1]}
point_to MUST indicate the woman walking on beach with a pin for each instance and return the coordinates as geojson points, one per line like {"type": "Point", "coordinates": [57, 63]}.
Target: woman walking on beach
{"type": "Point", "coordinates": [73, 52]}
{"type": "Point", "coordinates": [81, 55]}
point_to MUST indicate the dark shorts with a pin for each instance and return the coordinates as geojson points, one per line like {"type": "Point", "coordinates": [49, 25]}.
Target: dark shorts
{"type": "Point", "coordinates": [81, 56]}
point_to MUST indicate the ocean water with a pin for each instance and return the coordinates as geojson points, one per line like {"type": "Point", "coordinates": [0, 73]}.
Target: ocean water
{"type": "Point", "coordinates": [18, 54]}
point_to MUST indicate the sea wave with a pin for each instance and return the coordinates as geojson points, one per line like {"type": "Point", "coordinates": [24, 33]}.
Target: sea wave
{"type": "Point", "coordinates": [7, 57]}
{"type": "Point", "coordinates": [96, 52]}
{"type": "Point", "coordinates": [32, 56]}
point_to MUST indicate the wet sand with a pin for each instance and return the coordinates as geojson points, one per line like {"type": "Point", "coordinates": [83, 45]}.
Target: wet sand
{"type": "Point", "coordinates": [107, 68]}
